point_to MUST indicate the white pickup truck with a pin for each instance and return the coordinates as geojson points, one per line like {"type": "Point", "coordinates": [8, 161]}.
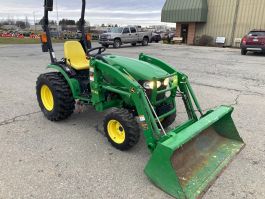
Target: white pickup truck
{"type": "Point", "coordinates": [118, 36]}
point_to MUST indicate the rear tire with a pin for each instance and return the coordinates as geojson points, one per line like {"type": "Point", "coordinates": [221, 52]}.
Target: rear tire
{"type": "Point", "coordinates": [243, 52]}
{"type": "Point", "coordinates": [145, 41]}
{"type": "Point", "coordinates": [61, 103]}
{"type": "Point", "coordinates": [117, 43]}
{"type": "Point", "coordinates": [121, 129]}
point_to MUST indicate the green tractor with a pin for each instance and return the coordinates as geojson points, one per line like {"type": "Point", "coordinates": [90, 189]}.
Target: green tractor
{"type": "Point", "coordinates": [141, 94]}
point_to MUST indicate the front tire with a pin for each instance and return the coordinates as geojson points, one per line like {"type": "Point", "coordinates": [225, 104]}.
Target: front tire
{"type": "Point", "coordinates": [145, 41]}
{"type": "Point", "coordinates": [243, 52]}
{"type": "Point", "coordinates": [117, 43]}
{"type": "Point", "coordinates": [54, 96]}
{"type": "Point", "coordinates": [121, 129]}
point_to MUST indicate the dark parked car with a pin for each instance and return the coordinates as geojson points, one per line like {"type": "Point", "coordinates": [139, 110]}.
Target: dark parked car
{"type": "Point", "coordinates": [254, 41]}
{"type": "Point", "coordinates": [156, 37]}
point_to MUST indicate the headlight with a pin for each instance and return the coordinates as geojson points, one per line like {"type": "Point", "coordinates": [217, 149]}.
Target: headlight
{"type": "Point", "coordinates": [166, 82]}
{"type": "Point", "coordinates": [109, 37]}
{"type": "Point", "coordinates": [151, 84]}
{"type": "Point", "coordinates": [175, 80]}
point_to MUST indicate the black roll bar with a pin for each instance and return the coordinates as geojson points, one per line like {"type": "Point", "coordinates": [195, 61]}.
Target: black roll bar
{"type": "Point", "coordinates": [46, 29]}
{"type": "Point", "coordinates": [48, 6]}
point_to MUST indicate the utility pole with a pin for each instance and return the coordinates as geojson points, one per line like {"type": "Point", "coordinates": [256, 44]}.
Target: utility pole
{"type": "Point", "coordinates": [57, 18]}
{"type": "Point", "coordinates": [34, 17]}
{"type": "Point", "coordinates": [26, 22]}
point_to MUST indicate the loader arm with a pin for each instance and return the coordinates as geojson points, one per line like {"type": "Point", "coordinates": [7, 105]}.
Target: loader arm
{"type": "Point", "coordinates": [184, 84]}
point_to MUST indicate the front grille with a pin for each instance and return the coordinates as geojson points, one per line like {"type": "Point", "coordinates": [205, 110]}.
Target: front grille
{"type": "Point", "coordinates": [159, 97]}
{"type": "Point", "coordinates": [103, 37]}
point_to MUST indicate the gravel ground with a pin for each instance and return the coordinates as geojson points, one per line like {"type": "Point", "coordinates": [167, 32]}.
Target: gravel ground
{"type": "Point", "coordinates": [72, 159]}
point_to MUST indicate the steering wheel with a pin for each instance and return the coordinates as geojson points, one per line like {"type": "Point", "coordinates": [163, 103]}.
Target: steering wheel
{"type": "Point", "coordinates": [99, 49]}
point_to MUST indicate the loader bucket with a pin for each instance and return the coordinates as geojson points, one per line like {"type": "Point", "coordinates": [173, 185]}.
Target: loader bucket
{"type": "Point", "coordinates": [187, 163]}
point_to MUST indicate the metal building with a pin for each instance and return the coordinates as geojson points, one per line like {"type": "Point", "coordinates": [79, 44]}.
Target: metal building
{"type": "Point", "coordinates": [230, 19]}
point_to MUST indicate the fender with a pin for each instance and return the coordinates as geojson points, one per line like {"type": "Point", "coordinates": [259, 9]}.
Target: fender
{"type": "Point", "coordinates": [73, 83]}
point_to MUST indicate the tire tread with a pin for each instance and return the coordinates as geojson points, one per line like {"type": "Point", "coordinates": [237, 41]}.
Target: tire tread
{"type": "Point", "coordinates": [129, 123]}
{"type": "Point", "coordinates": [64, 101]}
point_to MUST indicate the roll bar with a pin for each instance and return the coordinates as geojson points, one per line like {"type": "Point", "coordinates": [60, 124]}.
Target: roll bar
{"type": "Point", "coordinates": [47, 47]}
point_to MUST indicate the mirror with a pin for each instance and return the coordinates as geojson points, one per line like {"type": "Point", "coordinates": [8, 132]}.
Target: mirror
{"type": "Point", "coordinates": [49, 5]}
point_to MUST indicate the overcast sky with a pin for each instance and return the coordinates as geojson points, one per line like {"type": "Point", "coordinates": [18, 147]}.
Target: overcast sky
{"type": "Point", "coordinates": [122, 12]}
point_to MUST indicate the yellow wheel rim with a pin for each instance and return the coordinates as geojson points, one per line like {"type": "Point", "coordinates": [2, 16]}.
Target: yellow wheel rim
{"type": "Point", "coordinates": [47, 98]}
{"type": "Point", "coordinates": [116, 131]}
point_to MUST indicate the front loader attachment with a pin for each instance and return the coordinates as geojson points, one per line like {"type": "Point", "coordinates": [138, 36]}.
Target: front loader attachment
{"type": "Point", "coordinates": [187, 163]}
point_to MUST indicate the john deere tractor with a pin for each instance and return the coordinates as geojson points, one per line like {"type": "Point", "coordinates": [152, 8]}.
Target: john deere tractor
{"type": "Point", "coordinates": [141, 94]}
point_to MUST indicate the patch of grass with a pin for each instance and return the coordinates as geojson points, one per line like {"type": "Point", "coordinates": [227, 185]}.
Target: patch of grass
{"type": "Point", "coordinates": [24, 41]}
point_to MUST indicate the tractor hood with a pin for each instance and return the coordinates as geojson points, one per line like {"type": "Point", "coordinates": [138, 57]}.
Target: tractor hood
{"type": "Point", "coordinates": [139, 70]}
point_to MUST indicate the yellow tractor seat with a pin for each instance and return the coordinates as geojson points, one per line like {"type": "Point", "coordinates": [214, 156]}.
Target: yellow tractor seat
{"type": "Point", "coordinates": [75, 55]}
